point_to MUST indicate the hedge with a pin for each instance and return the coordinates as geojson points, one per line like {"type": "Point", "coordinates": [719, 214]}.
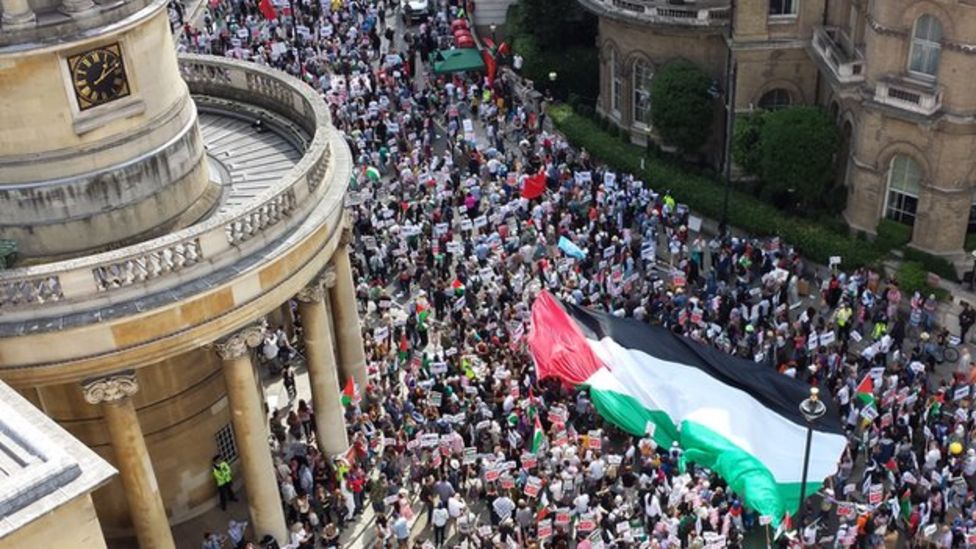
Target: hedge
{"type": "Point", "coordinates": [913, 277]}
{"type": "Point", "coordinates": [933, 263]}
{"type": "Point", "coordinates": [892, 234]}
{"type": "Point", "coordinates": [705, 195]}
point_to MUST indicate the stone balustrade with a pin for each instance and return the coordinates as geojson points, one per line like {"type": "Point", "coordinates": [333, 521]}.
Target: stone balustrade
{"type": "Point", "coordinates": [221, 240]}
{"type": "Point", "coordinates": [701, 14]}
{"type": "Point", "coordinates": [834, 47]}
{"type": "Point", "coordinates": [921, 98]}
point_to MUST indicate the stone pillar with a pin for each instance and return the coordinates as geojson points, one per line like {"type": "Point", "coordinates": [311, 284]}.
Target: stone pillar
{"type": "Point", "coordinates": [78, 8]}
{"type": "Point", "coordinates": [940, 226]}
{"type": "Point", "coordinates": [113, 394]}
{"type": "Point", "coordinates": [17, 14]}
{"type": "Point", "coordinates": [313, 306]}
{"type": "Point", "coordinates": [345, 317]}
{"type": "Point", "coordinates": [251, 432]}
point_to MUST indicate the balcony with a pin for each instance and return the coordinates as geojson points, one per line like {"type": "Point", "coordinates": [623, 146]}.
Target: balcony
{"type": "Point", "coordinates": [909, 95]}
{"type": "Point", "coordinates": [835, 48]}
{"type": "Point", "coordinates": [706, 13]}
{"type": "Point", "coordinates": [279, 220]}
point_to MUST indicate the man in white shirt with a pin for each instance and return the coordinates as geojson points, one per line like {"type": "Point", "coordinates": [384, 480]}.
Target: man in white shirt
{"type": "Point", "coordinates": [439, 518]}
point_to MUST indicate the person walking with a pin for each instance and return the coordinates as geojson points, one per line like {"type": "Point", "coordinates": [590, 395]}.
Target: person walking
{"type": "Point", "coordinates": [440, 518]}
{"type": "Point", "coordinates": [224, 479]}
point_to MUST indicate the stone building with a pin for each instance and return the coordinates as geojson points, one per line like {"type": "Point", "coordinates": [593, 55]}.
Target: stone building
{"type": "Point", "coordinates": [163, 208]}
{"type": "Point", "coordinates": [46, 480]}
{"type": "Point", "coordinates": [892, 72]}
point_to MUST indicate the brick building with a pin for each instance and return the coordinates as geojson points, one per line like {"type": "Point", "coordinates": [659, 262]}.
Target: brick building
{"type": "Point", "coordinates": [892, 72]}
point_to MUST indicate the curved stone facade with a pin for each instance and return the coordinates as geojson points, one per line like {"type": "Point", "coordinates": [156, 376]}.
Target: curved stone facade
{"type": "Point", "coordinates": [851, 57]}
{"type": "Point", "coordinates": [165, 311]}
{"type": "Point", "coordinates": [117, 172]}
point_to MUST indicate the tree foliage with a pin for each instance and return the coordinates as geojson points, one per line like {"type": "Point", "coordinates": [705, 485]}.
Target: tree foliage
{"type": "Point", "coordinates": [746, 151]}
{"type": "Point", "coordinates": [682, 108]}
{"type": "Point", "coordinates": [557, 23]}
{"type": "Point", "coordinates": [798, 146]}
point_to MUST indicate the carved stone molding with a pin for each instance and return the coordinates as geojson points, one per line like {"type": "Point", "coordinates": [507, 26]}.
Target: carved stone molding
{"type": "Point", "coordinates": [313, 293]}
{"type": "Point", "coordinates": [329, 276]}
{"type": "Point", "coordinates": [236, 345]}
{"type": "Point", "coordinates": [111, 388]}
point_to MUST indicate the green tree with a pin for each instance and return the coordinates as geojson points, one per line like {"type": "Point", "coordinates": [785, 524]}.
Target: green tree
{"type": "Point", "coordinates": [557, 23]}
{"type": "Point", "coordinates": [798, 148]}
{"type": "Point", "coordinates": [746, 149]}
{"type": "Point", "coordinates": [682, 107]}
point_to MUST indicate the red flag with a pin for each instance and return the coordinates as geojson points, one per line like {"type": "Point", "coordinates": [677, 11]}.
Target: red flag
{"type": "Point", "coordinates": [534, 186]}
{"type": "Point", "coordinates": [267, 9]}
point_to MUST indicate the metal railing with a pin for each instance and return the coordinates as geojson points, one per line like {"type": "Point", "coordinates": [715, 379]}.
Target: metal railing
{"type": "Point", "coordinates": [220, 240]}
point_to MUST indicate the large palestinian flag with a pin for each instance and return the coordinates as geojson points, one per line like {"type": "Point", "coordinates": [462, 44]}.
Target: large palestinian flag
{"type": "Point", "coordinates": [731, 415]}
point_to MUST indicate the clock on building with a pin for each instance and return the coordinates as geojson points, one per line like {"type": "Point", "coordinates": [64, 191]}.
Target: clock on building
{"type": "Point", "coordinates": [98, 76]}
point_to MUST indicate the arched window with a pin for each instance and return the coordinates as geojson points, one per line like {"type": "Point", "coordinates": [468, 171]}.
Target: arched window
{"type": "Point", "coordinates": [775, 99]}
{"type": "Point", "coordinates": [642, 92]}
{"type": "Point", "coordinates": [926, 46]}
{"type": "Point", "coordinates": [904, 183]}
{"type": "Point", "coordinates": [615, 84]}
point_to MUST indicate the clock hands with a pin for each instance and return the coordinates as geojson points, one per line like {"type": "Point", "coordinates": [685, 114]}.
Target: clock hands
{"type": "Point", "coordinates": [106, 72]}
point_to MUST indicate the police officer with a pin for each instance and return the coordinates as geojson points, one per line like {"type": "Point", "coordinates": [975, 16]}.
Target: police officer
{"type": "Point", "coordinates": [224, 479]}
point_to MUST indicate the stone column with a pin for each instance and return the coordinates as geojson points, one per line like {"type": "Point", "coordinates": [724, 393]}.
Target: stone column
{"type": "Point", "coordinates": [313, 306]}
{"type": "Point", "coordinates": [113, 394]}
{"type": "Point", "coordinates": [78, 8]}
{"type": "Point", "coordinates": [251, 432]}
{"type": "Point", "coordinates": [17, 14]}
{"type": "Point", "coordinates": [345, 317]}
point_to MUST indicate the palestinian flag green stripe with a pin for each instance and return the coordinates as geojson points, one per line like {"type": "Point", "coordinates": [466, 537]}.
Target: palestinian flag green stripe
{"type": "Point", "coordinates": [714, 411]}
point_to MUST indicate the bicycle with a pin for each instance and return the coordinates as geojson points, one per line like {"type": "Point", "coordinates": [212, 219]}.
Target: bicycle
{"type": "Point", "coordinates": [941, 350]}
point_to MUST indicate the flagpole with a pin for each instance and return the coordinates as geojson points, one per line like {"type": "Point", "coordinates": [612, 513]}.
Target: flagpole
{"type": "Point", "coordinates": [767, 536]}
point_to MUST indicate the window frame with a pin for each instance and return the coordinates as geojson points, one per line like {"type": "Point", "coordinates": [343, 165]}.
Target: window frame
{"type": "Point", "coordinates": [899, 212]}
{"type": "Point", "coordinates": [640, 66]}
{"type": "Point", "coordinates": [615, 85]}
{"type": "Point", "coordinates": [928, 46]}
{"type": "Point", "coordinates": [793, 4]}
{"type": "Point", "coordinates": [776, 106]}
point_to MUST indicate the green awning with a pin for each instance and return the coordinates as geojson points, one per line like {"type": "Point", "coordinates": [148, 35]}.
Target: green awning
{"type": "Point", "coordinates": [457, 60]}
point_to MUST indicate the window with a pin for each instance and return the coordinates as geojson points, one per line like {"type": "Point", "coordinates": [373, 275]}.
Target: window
{"type": "Point", "coordinates": [926, 46]}
{"type": "Point", "coordinates": [904, 182]}
{"type": "Point", "coordinates": [615, 85]}
{"type": "Point", "coordinates": [782, 7]}
{"type": "Point", "coordinates": [642, 92]}
{"type": "Point", "coordinates": [775, 99]}
{"type": "Point", "coordinates": [971, 226]}
{"type": "Point", "coordinates": [226, 443]}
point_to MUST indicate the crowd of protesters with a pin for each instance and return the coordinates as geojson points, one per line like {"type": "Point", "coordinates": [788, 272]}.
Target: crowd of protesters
{"type": "Point", "coordinates": [450, 248]}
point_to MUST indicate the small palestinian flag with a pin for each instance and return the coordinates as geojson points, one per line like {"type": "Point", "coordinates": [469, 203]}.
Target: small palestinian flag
{"type": "Point", "coordinates": [905, 504]}
{"type": "Point", "coordinates": [865, 390]}
{"type": "Point", "coordinates": [349, 394]}
{"type": "Point", "coordinates": [458, 287]}
{"type": "Point", "coordinates": [404, 347]}
{"type": "Point", "coordinates": [537, 436]}
{"type": "Point", "coordinates": [785, 527]}
{"type": "Point", "coordinates": [731, 415]}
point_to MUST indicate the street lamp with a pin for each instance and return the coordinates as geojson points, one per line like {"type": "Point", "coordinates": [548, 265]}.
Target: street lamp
{"type": "Point", "coordinates": [812, 409]}
{"type": "Point", "coordinates": [493, 28]}
{"type": "Point", "coordinates": [552, 76]}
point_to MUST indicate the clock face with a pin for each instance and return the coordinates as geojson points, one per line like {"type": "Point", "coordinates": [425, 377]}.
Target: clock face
{"type": "Point", "coordinates": [98, 76]}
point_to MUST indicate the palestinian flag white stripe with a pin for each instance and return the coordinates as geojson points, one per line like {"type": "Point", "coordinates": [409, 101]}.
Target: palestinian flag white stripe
{"type": "Point", "coordinates": [730, 415]}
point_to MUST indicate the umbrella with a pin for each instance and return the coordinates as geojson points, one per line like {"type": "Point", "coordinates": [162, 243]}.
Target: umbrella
{"type": "Point", "coordinates": [372, 173]}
